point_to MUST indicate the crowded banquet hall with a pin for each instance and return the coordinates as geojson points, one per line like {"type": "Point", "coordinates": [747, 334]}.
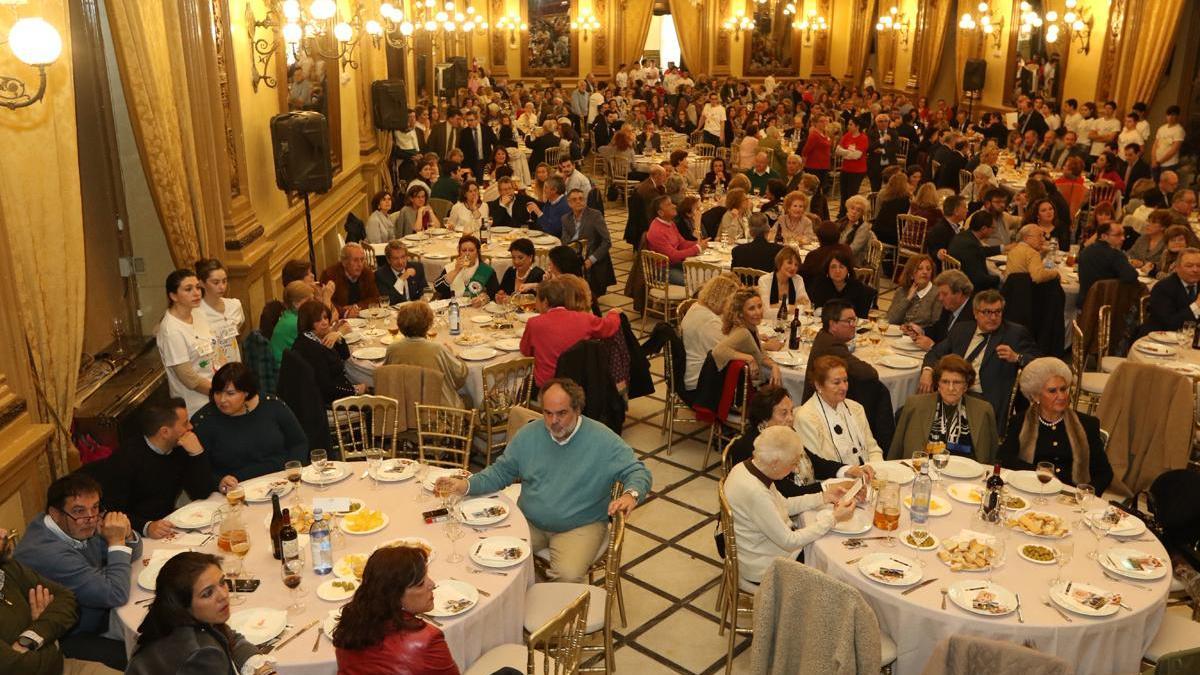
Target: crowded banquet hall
{"type": "Point", "coordinates": [440, 337]}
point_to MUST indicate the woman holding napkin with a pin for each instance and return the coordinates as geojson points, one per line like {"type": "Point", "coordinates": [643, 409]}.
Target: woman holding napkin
{"type": "Point", "coordinates": [964, 425]}
{"type": "Point", "coordinates": [467, 277]}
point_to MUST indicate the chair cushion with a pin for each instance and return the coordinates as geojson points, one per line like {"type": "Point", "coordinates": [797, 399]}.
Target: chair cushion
{"type": "Point", "coordinates": [1109, 364]}
{"type": "Point", "coordinates": [1094, 383]}
{"type": "Point", "coordinates": [887, 648]}
{"type": "Point", "coordinates": [1177, 633]}
{"type": "Point", "coordinates": [674, 292]}
{"type": "Point", "coordinates": [544, 601]}
{"type": "Point", "coordinates": [510, 655]}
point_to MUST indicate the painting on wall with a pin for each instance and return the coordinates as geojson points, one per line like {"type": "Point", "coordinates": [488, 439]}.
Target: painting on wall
{"type": "Point", "coordinates": [770, 47]}
{"type": "Point", "coordinates": [550, 45]}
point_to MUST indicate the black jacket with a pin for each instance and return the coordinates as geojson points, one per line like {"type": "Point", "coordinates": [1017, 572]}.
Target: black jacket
{"type": "Point", "coordinates": [937, 238]}
{"type": "Point", "coordinates": [885, 225]}
{"type": "Point", "coordinates": [1100, 470]}
{"type": "Point", "coordinates": [1101, 261]}
{"type": "Point", "coordinates": [971, 252]}
{"type": "Point", "coordinates": [471, 151]}
{"type": "Point", "coordinates": [298, 389]}
{"type": "Point", "coordinates": [1132, 174]}
{"type": "Point", "coordinates": [385, 281]}
{"type": "Point", "coordinates": [941, 328]}
{"type": "Point", "coordinates": [758, 254]}
{"type": "Point", "coordinates": [328, 367]}
{"type": "Point", "coordinates": [996, 376]}
{"type": "Point", "coordinates": [951, 162]}
{"type": "Point", "coordinates": [587, 364]}
{"type": "Point", "coordinates": [520, 216]}
{"type": "Point", "coordinates": [509, 280]}
{"type": "Point", "coordinates": [539, 146]}
{"type": "Point", "coordinates": [1169, 306]}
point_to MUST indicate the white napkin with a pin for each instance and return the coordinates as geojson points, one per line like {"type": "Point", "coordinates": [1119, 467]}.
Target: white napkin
{"type": "Point", "coordinates": [439, 304]}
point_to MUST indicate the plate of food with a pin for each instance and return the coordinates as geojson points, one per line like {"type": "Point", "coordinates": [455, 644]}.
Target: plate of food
{"type": "Point", "coordinates": [937, 505]}
{"type": "Point", "coordinates": [1028, 481]}
{"type": "Point", "coordinates": [478, 354]}
{"type": "Point", "coordinates": [982, 597]}
{"type": "Point", "coordinates": [258, 624]}
{"type": "Point", "coordinates": [967, 493]}
{"type": "Point", "coordinates": [893, 471]}
{"type": "Point", "coordinates": [890, 569]}
{"type": "Point", "coordinates": [1039, 554]}
{"type": "Point", "coordinates": [967, 552]}
{"type": "Point", "coordinates": [508, 344]}
{"type": "Point", "coordinates": [1167, 337]}
{"type": "Point", "coordinates": [452, 597]}
{"type": "Point", "coordinates": [963, 467]}
{"type": "Point", "coordinates": [337, 590]}
{"type": "Point", "coordinates": [364, 521]}
{"type": "Point", "coordinates": [906, 343]}
{"type": "Point", "coordinates": [331, 473]}
{"type": "Point", "coordinates": [858, 523]}
{"type": "Point", "coordinates": [396, 470]}
{"type": "Point", "coordinates": [1085, 599]}
{"type": "Point", "coordinates": [1120, 522]}
{"type": "Point", "coordinates": [300, 514]}
{"type": "Point", "coordinates": [411, 542]}
{"type": "Point", "coordinates": [921, 540]}
{"type": "Point", "coordinates": [1155, 349]}
{"type": "Point", "coordinates": [374, 332]}
{"type": "Point", "coordinates": [350, 566]}
{"type": "Point", "coordinates": [352, 337]}
{"type": "Point", "coordinates": [1134, 564]}
{"type": "Point", "coordinates": [260, 490]}
{"type": "Point", "coordinates": [194, 516]}
{"type": "Point", "coordinates": [500, 551]}
{"type": "Point", "coordinates": [369, 353]}
{"type": "Point", "coordinates": [485, 511]}
{"type": "Point", "coordinates": [374, 313]}
{"type": "Point", "coordinates": [1040, 524]}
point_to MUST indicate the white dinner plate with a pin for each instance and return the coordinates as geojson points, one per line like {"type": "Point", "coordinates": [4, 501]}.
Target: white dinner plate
{"type": "Point", "coordinates": [346, 528]}
{"type": "Point", "coordinates": [899, 362]}
{"type": "Point", "coordinates": [412, 542]}
{"type": "Point", "coordinates": [261, 489]}
{"type": "Point", "coordinates": [784, 358]}
{"type": "Point", "coordinates": [905, 343]}
{"type": "Point", "coordinates": [937, 505]}
{"type": "Point", "coordinates": [500, 551]}
{"type": "Point", "coordinates": [435, 472]}
{"type": "Point", "coordinates": [416, 236]}
{"type": "Point", "coordinates": [967, 493]}
{"type": "Point", "coordinates": [964, 594]}
{"type": "Point", "coordinates": [1075, 600]}
{"type": "Point", "coordinates": [963, 467]}
{"type": "Point", "coordinates": [478, 354]}
{"type": "Point", "coordinates": [434, 255]}
{"type": "Point", "coordinates": [871, 565]}
{"type": "Point", "coordinates": [452, 597]}
{"type": "Point", "coordinates": [194, 516]}
{"type": "Point", "coordinates": [369, 353]}
{"type": "Point", "coordinates": [258, 624]}
{"type": "Point", "coordinates": [485, 511]}
{"type": "Point", "coordinates": [1155, 349]}
{"type": "Point", "coordinates": [859, 523]}
{"type": "Point", "coordinates": [1128, 526]}
{"type": "Point", "coordinates": [374, 332]}
{"type": "Point", "coordinates": [501, 229]}
{"type": "Point", "coordinates": [931, 542]}
{"type": "Point", "coordinates": [1021, 552]}
{"type": "Point", "coordinates": [374, 313]}
{"type": "Point", "coordinates": [331, 621]}
{"type": "Point", "coordinates": [480, 318]}
{"type": "Point", "coordinates": [494, 308]}
{"type": "Point", "coordinates": [148, 577]}
{"type": "Point", "coordinates": [352, 337]}
{"type": "Point", "coordinates": [396, 470]}
{"type": "Point", "coordinates": [1027, 481]}
{"type": "Point", "coordinates": [508, 344]}
{"type": "Point", "coordinates": [436, 231]}
{"type": "Point", "coordinates": [893, 471]}
{"type": "Point", "coordinates": [387, 340]}
{"type": "Point", "coordinates": [1014, 525]}
{"type": "Point", "coordinates": [1167, 337]}
{"type": "Point", "coordinates": [337, 590]}
{"type": "Point", "coordinates": [1134, 564]}
{"type": "Point", "coordinates": [356, 322]}
{"type": "Point", "coordinates": [334, 471]}
{"type": "Point", "coordinates": [545, 241]}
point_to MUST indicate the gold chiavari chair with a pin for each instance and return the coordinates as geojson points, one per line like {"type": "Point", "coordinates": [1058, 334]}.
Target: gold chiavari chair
{"type": "Point", "coordinates": [505, 386]}
{"type": "Point", "coordinates": [364, 422]}
{"type": "Point", "coordinates": [444, 435]}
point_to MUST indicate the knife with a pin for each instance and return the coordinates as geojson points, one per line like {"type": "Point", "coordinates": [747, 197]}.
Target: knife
{"type": "Point", "coordinates": [1020, 617]}
{"type": "Point", "coordinates": [293, 636]}
{"type": "Point", "coordinates": [920, 585]}
{"type": "Point", "coordinates": [897, 560]}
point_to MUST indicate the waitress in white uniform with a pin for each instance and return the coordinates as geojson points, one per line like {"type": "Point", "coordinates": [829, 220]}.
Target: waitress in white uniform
{"type": "Point", "coordinates": [185, 343]}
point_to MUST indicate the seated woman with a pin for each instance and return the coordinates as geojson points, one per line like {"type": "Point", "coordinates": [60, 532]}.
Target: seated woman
{"type": "Point", "coordinates": [784, 283]}
{"type": "Point", "coordinates": [325, 351]}
{"type": "Point", "coordinates": [916, 299]}
{"type": "Point", "coordinates": [506, 135]}
{"type": "Point", "coordinates": [467, 214]}
{"type": "Point", "coordinates": [964, 425]}
{"type": "Point", "coordinates": [739, 325]}
{"type": "Point", "coordinates": [894, 199]}
{"type": "Point", "coordinates": [1178, 238]}
{"type": "Point", "coordinates": [1071, 185]}
{"type": "Point", "coordinates": [381, 626]}
{"type": "Point", "coordinates": [717, 178]}
{"type": "Point", "coordinates": [246, 434]}
{"type": "Point", "coordinates": [832, 426]}
{"type": "Point", "coordinates": [772, 407]}
{"type": "Point", "coordinates": [185, 629]}
{"type": "Point", "coordinates": [687, 218]}
{"type": "Point", "coordinates": [523, 276]}
{"type": "Point", "coordinates": [839, 282]}
{"type": "Point", "coordinates": [854, 230]}
{"type": "Point", "coordinates": [793, 226]}
{"type": "Point", "coordinates": [415, 349]}
{"type": "Point", "coordinates": [925, 203]}
{"type": "Point", "coordinates": [1150, 245]}
{"type": "Point", "coordinates": [557, 328]}
{"type": "Point", "coordinates": [381, 225]}
{"type": "Point", "coordinates": [416, 215]}
{"type": "Point", "coordinates": [734, 223]}
{"type": "Point", "coordinates": [541, 174]}
{"type": "Point", "coordinates": [762, 516]}
{"type": "Point", "coordinates": [700, 328]}
{"type": "Point", "coordinates": [467, 277]}
{"type": "Point", "coordinates": [818, 205]}
{"type": "Point", "coordinates": [499, 167]}
{"type": "Point", "coordinates": [1050, 431]}
{"type": "Point", "coordinates": [1025, 257]}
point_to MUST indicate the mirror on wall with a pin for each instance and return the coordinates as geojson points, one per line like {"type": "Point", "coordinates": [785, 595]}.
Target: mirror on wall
{"type": "Point", "coordinates": [770, 46]}
{"type": "Point", "coordinates": [550, 47]}
{"type": "Point", "coordinates": [312, 84]}
{"type": "Point", "coordinates": [1035, 65]}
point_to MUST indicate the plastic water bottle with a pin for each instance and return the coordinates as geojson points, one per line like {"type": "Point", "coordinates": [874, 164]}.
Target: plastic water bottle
{"type": "Point", "coordinates": [455, 319]}
{"type": "Point", "coordinates": [921, 492]}
{"type": "Point", "coordinates": [322, 547]}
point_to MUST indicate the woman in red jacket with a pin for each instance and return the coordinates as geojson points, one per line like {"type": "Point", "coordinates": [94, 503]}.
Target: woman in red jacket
{"type": "Point", "coordinates": [816, 152]}
{"type": "Point", "coordinates": [853, 151]}
{"type": "Point", "coordinates": [379, 630]}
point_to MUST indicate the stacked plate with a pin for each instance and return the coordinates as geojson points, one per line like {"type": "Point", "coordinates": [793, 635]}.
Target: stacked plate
{"type": "Point", "coordinates": [1085, 599]}
{"type": "Point", "coordinates": [259, 625]}
{"type": "Point", "coordinates": [1134, 564]}
{"type": "Point", "coordinates": [194, 516]}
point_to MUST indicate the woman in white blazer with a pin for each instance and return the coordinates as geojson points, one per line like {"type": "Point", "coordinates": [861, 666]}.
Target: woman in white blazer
{"type": "Point", "coordinates": [831, 425]}
{"type": "Point", "coordinates": [784, 281]}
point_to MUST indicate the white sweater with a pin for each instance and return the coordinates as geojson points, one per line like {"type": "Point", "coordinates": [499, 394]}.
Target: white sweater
{"type": "Point", "coordinates": [810, 423]}
{"type": "Point", "coordinates": [762, 522]}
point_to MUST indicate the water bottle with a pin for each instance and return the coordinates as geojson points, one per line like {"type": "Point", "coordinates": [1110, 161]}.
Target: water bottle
{"type": "Point", "coordinates": [921, 491]}
{"type": "Point", "coordinates": [455, 319]}
{"type": "Point", "coordinates": [322, 547]}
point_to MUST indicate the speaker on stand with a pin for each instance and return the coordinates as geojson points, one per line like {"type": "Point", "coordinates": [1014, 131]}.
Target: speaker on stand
{"type": "Point", "coordinates": [300, 145]}
{"type": "Point", "coordinates": [974, 77]}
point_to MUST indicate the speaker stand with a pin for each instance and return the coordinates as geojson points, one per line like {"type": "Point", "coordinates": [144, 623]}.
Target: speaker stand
{"type": "Point", "coordinates": [312, 251]}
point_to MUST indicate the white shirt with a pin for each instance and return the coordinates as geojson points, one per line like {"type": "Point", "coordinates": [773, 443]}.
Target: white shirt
{"type": "Point", "coordinates": [594, 102]}
{"type": "Point", "coordinates": [818, 433]}
{"type": "Point", "coordinates": [578, 423]}
{"type": "Point", "coordinates": [700, 331]}
{"type": "Point", "coordinates": [1072, 122]}
{"type": "Point", "coordinates": [978, 361]}
{"type": "Point", "coordinates": [193, 343]}
{"type": "Point", "coordinates": [225, 328]}
{"type": "Point", "coordinates": [1103, 127]}
{"type": "Point", "coordinates": [714, 119]}
{"type": "Point", "coordinates": [1168, 135]}
{"type": "Point", "coordinates": [671, 82]}
{"type": "Point", "coordinates": [463, 220]}
{"type": "Point", "coordinates": [622, 79]}
{"type": "Point", "coordinates": [1128, 136]}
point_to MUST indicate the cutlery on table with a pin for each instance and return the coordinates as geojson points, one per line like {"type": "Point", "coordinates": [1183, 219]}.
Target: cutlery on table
{"type": "Point", "coordinates": [1055, 608]}
{"type": "Point", "coordinates": [501, 574]}
{"type": "Point", "coordinates": [317, 642]}
{"type": "Point", "coordinates": [431, 620]}
{"type": "Point", "coordinates": [1068, 589]}
{"type": "Point", "coordinates": [869, 538]}
{"type": "Point", "coordinates": [897, 560]}
{"type": "Point", "coordinates": [909, 466]}
{"type": "Point", "coordinates": [293, 636]}
{"type": "Point", "coordinates": [1123, 580]}
{"type": "Point", "coordinates": [853, 560]}
{"type": "Point", "coordinates": [920, 585]}
{"type": "Point", "coordinates": [944, 592]}
{"type": "Point", "coordinates": [479, 590]}
{"type": "Point", "coordinates": [1020, 617]}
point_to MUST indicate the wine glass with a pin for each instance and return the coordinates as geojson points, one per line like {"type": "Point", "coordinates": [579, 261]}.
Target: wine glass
{"type": "Point", "coordinates": [319, 459]}
{"type": "Point", "coordinates": [419, 474]}
{"type": "Point", "coordinates": [293, 470]}
{"type": "Point", "coordinates": [999, 551]}
{"type": "Point", "coordinates": [1064, 551]}
{"type": "Point", "coordinates": [918, 458]}
{"type": "Point", "coordinates": [940, 461]}
{"type": "Point", "coordinates": [1084, 494]}
{"type": "Point", "coordinates": [1099, 527]}
{"type": "Point", "coordinates": [454, 531]}
{"type": "Point", "coordinates": [1045, 474]}
{"type": "Point", "coordinates": [292, 572]}
{"type": "Point", "coordinates": [232, 566]}
{"type": "Point", "coordinates": [374, 462]}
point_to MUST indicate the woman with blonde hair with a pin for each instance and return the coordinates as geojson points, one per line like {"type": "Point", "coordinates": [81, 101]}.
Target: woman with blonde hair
{"type": "Point", "coordinates": [737, 215]}
{"type": "Point", "coordinates": [785, 283]}
{"type": "Point", "coordinates": [739, 325]}
{"type": "Point", "coordinates": [793, 226]}
{"type": "Point", "coordinates": [739, 182]}
{"type": "Point", "coordinates": [700, 328]}
{"type": "Point", "coordinates": [926, 203]}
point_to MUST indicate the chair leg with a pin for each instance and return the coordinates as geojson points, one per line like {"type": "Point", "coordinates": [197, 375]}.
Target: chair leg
{"type": "Point", "coordinates": [621, 602]}
{"type": "Point", "coordinates": [610, 665]}
{"type": "Point", "coordinates": [732, 601]}
{"type": "Point", "coordinates": [669, 426]}
{"type": "Point", "coordinates": [708, 447]}
{"type": "Point", "coordinates": [721, 593]}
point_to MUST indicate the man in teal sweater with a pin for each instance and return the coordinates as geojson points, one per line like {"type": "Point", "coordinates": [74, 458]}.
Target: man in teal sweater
{"type": "Point", "coordinates": [567, 468]}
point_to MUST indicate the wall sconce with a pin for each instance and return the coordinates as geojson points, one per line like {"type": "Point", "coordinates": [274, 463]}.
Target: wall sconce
{"type": "Point", "coordinates": [896, 23]}
{"type": "Point", "coordinates": [1076, 23]}
{"type": "Point", "coordinates": [810, 24]}
{"type": "Point", "coordinates": [738, 23]}
{"type": "Point", "coordinates": [515, 26]}
{"type": "Point", "coordinates": [448, 22]}
{"type": "Point", "coordinates": [36, 43]}
{"type": "Point", "coordinates": [987, 25]}
{"type": "Point", "coordinates": [318, 29]}
{"type": "Point", "coordinates": [587, 22]}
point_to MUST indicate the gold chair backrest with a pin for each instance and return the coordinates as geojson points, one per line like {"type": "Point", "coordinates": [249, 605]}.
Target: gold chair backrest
{"type": "Point", "coordinates": [580, 246]}
{"type": "Point", "coordinates": [440, 207]}
{"type": "Point", "coordinates": [912, 232]}
{"type": "Point", "coordinates": [554, 156]}
{"type": "Point", "coordinates": [873, 205]}
{"type": "Point", "coordinates": [726, 461]}
{"type": "Point", "coordinates": [655, 268]}
{"type": "Point", "coordinates": [557, 644]}
{"type": "Point", "coordinates": [964, 179]}
{"type": "Point", "coordinates": [704, 150]}
{"type": "Point", "coordinates": [364, 422]}
{"type": "Point", "coordinates": [1078, 358]}
{"type": "Point", "coordinates": [865, 275]}
{"type": "Point", "coordinates": [619, 168]}
{"type": "Point", "coordinates": [949, 262]}
{"type": "Point", "coordinates": [748, 275]}
{"type": "Point", "coordinates": [444, 435]}
{"type": "Point", "coordinates": [874, 257]}
{"type": "Point", "coordinates": [696, 274]}
{"type": "Point", "coordinates": [1103, 332]}
{"type": "Point", "coordinates": [731, 566]}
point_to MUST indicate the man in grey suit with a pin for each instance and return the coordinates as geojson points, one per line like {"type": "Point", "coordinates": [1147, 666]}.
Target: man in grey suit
{"type": "Point", "coordinates": [580, 222]}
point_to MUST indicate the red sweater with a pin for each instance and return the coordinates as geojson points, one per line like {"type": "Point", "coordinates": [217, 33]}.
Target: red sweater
{"type": "Point", "coordinates": [855, 165]}
{"type": "Point", "coordinates": [664, 238]}
{"type": "Point", "coordinates": [816, 151]}
{"type": "Point", "coordinates": [405, 652]}
{"type": "Point", "coordinates": [548, 335]}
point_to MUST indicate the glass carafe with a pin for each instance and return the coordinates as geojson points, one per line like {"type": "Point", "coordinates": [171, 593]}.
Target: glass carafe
{"type": "Point", "coordinates": [230, 524]}
{"type": "Point", "coordinates": [887, 507]}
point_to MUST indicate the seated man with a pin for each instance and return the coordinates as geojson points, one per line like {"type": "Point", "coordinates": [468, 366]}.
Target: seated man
{"type": "Point", "coordinates": [34, 614]}
{"type": "Point", "coordinates": [510, 208]}
{"type": "Point", "coordinates": [953, 292]}
{"type": "Point", "coordinates": [761, 173]}
{"type": "Point", "coordinates": [567, 467]}
{"type": "Point", "coordinates": [758, 253]}
{"type": "Point", "coordinates": [664, 237]}
{"type": "Point", "coordinates": [145, 475]}
{"type": "Point", "coordinates": [76, 544]}
{"type": "Point", "coordinates": [353, 288]}
{"type": "Point", "coordinates": [401, 280]}
{"type": "Point", "coordinates": [995, 348]}
{"type": "Point", "coordinates": [968, 248]}
{"type": "Point", "coordinates": [838, 323]}
{"type": "Point", "coordinates": [1104, 259]}
{"type": "Point", "coordinates": [550, 213]}
{"type": "Point", "coordinates": [1173, 300]}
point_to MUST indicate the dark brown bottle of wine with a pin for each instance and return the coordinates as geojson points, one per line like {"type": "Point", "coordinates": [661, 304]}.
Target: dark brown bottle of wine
{"type": "Point", "coordinates": [794, 331]}
{"type": "Point", "coordinates": [289, 542]}
{"type": "Point", "coordinates": [276, 525]}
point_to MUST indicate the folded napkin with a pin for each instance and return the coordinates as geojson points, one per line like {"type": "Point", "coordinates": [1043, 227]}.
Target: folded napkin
{"type": "Point", "coordinates": [439, 304]}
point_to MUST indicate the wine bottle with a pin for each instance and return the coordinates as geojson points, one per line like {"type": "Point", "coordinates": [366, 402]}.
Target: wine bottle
{"type": "Point", "coordinates": [276, 526]}
{"type": "Point", "coordinates": [782, 316]}
{"type": "Point", "coordinates": [289, 543]}
{"type": "Point", "coordinates": [794, 331]}
{"type": "Point", "coordinates": [990, 507]}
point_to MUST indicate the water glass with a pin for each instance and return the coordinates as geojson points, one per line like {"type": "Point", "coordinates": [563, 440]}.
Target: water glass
{"type": "Point", "coordinates": [1065, 550]}
{"type": "Point", "coordinates": [232, 566]}
{"type": "Point", "coordinates": [292, 572]}
{"type": "Point", "coordinates": [1084, 494]}
{"type": "Point", "coordinates": [374, 462]}
{"type": "Point", "coordinates": [454, 531]}
{"type": "Point", "coordinates": [319, 460]}
{"type": "Point", "coordinates": [999, 552]}
{"type": "Point", "coordinates": [1099, 527]}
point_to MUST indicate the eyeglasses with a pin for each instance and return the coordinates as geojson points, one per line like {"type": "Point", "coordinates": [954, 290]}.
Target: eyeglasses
{"type": "Point", "coordinates": [991, 312]}
{"type": "Point", "coordinates": [953, 383]}
{"type": "Point", "coordinates": [852, 320]}
{"type": "Point", "coordinates": [98, 515]}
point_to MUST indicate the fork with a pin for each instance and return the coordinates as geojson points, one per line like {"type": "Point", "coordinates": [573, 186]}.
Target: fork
{"type": "Point", "coordinates": [1054, 607]}
{"type": "Point", "coordinates": [1114, 577]}
{"type": "Point", "coordinates": [945, 591]}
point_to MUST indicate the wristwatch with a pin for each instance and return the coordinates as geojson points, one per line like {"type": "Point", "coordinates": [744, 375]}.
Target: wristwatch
{"type": "Point", "coordinates": [633, 493]}
{"type": "Point", "coordinates": [28, 643]}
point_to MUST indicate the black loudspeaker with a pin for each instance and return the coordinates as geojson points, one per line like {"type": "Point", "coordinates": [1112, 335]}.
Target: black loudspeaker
{"type": "Point", "coordinates": [389, 104]}
{"type": "Point", "coordinates": [455, 77]}
{"type": "Point", "coordinates": [974, 75]}
{"type": "Point", "coordinates": [301, 146]}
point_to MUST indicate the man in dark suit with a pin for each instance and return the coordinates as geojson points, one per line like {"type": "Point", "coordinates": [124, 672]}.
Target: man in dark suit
{"type": "Point", "coordinates": [967, 247]}
{"type": "Point", "coordinates": [539, 146]}
{"type": "Point", "coordinates": [953, 161]}
{"type": "Point", "coordinates": [882, 147]}
{"type": "Point", "coordinates": [444, 136]}
{"type": "Point", "coordinates": [1069, 148]}
{"type": "Point", "coordinates": [1135, 169]}
{"type": "Point", "coordinates": [398, 279]}
{"type": "Point", "coordinates": [996, 348]}
{"type": "Point", "coordinates": [604, 127]}
{"type": "Point", "coordinates": [476, 142]}
{"type": "Point", "coordinates": [511, 208]}
{"type": "Point", "coordinates": [1029, 119]}
{"type": "Point", "coordinates": [1048, 147]}
{"type": "Point", "coordinates": [1104, 260]}
{"type": "Point", "coordinates": [939, 236]}
{"type": "Point", "coordinates": [953, 292]}
{"type": "Point", "coordinates": [758, 253]}
{"type": "Point", "coordinates": [1173, 300]}
{"type": "Point", "coordinates": [582, 223]}
{"type": "Point", "coordinates": [1164, 192]}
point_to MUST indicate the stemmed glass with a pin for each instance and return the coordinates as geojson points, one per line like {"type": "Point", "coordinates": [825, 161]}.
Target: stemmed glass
{"type": "Point", "coordinates": [999, 552]}
{"type": "Point", "coordinates": [1045, 474]}
{"type": "Point", "coordinates": [292, 572]}
{"type": "Point", "coordinates": [918, 458]}
{"type": "Point", "coordinates": [374, 462]}
{"type": "Point", "coordinates": [454, 530]}
{"type": "Point", "coordinates": [319, 459]}
{"type": "Point", "coordinates": [1065, 550]}
{"type": "Point", "coordinates": [293, 471]}
{"type": "Point", "coordinates": [419, 474]}
{"type": "Point", "coordinates": [1099, 527]}
{"type": "Point", "coordinates": [940, 461]}
{"type": "Point", "coordinates": [1084, 494]}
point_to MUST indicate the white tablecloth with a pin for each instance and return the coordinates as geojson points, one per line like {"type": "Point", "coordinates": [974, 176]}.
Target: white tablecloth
{"type": "Point", "coordinates": [917, 623]}
{"type": "Point", "coordinates": [496, 620]}
{"type": "Point", "coordinates": [1182, 359]}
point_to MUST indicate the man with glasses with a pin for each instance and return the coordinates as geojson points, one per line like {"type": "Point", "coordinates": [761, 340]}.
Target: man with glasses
{"type": "Point", "coordinates": [995, 348]}
{"type": "Point", "coordinates": [34, 613]}
{"type": "Point", "coordinates": [838, 324]}
{"type": "Point", "coordinates": [76, 544]}
{"type": "Point", "coordinates": [1104, 259]}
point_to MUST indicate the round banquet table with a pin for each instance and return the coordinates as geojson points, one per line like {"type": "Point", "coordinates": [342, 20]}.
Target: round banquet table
{"type": "Point", "coordinates": [916, 622]}
{"type": "Point", "coordinates": [438, 250]}
{"type": "Point", "coordinates": [497, 619]}
{"type": "Point", "coordinates": [1181, 357]}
